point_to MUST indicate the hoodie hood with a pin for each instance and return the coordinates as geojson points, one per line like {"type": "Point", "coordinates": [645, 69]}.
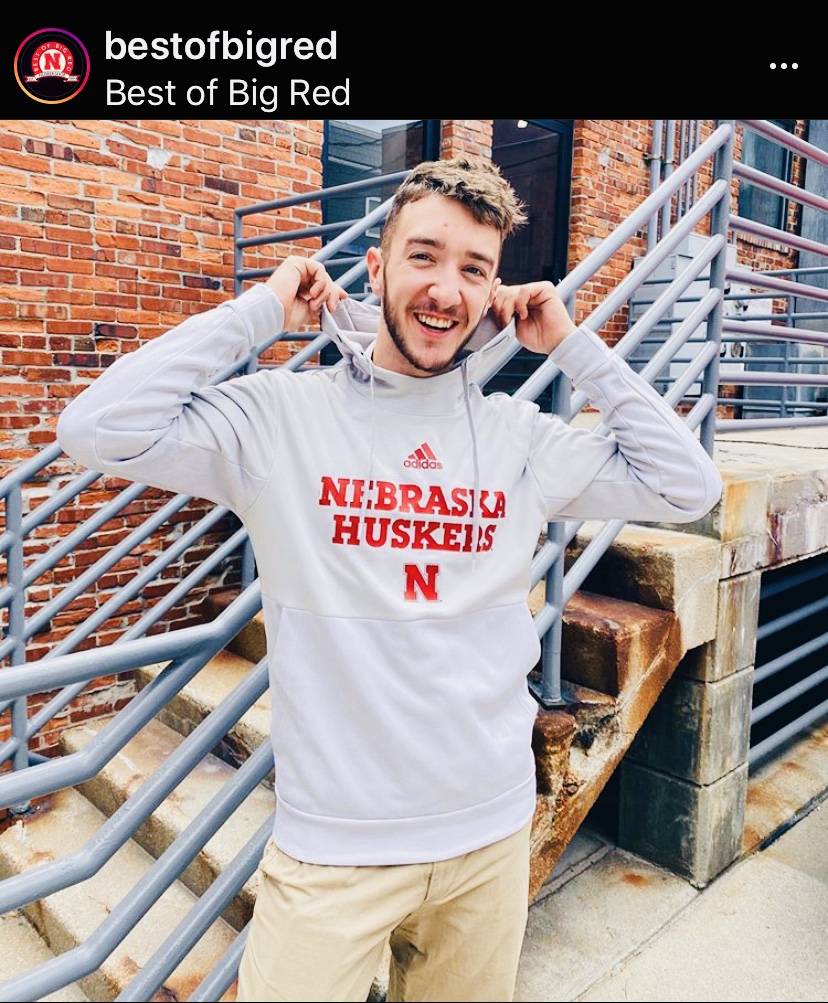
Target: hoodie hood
{"type": "Point", "coordinates": [353, 328]}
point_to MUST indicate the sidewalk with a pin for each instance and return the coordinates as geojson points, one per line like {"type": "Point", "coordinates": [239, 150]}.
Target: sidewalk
{"type": "Point", "coordinates": [610, 926]}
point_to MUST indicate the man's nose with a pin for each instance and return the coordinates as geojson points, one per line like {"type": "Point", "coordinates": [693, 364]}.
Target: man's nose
{"type": "Point", "coordinates": [445, 288]}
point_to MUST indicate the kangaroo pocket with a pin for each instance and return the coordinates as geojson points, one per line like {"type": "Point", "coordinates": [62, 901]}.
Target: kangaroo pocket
{"type": "Point", "coordinates": [373, 719]}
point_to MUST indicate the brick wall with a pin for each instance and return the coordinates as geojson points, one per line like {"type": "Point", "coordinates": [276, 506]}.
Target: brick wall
{"type": "Point", "coordinates": [609, 179]}
{"type": "Point", "coordinates": [111, 232]}
{"type": "Point", "coordinates": [472, 137]}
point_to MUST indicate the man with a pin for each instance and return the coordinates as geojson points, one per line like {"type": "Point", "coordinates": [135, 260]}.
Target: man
{"type": "Point", "coordinates": [394, 512]}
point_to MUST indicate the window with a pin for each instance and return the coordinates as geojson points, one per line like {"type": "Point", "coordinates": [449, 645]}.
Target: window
{"type": "Point", "coordinates": [359, 150]}
{"type": "Point", "coordinates": [754, 202]}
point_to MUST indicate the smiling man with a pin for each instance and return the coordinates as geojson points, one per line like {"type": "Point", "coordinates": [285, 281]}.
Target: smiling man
{"type": "Point", "coordinates": [436, 280]}
{"type": "Point", "coordinates": [394, 512]}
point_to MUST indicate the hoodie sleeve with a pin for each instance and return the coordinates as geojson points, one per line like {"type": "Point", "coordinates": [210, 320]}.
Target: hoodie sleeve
{"type": "Point", "coordinates": [152, 417]}
{"type": "Point", "coordinates": [652, 468]}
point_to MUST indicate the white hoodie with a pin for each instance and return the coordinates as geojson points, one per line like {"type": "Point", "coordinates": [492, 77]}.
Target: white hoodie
{"type": "Point", "coordinates": [398, 649]}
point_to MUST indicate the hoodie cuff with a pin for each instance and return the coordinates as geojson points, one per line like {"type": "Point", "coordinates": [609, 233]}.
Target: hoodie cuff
{"type": "Point", "coordinates": [262, 307]}
{"type": "Point", "coordinates": [580, 354]}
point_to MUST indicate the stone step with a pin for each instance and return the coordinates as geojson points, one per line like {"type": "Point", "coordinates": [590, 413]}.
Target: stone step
{"type": "Point", "coordinates": [610, 644]}
{"type": "Point", "coordinates": [23, 950]}
{"type": "Point", "coordinates": [204, 693]}
{"type": "Point", "coordinates": [63, 824]}
{"type": "Point", "coordinates": [617, 658]}
{"type": "Point", "coordinates": [139, 760]}
{"type": "Point", "coordinates": [250, 642]}
{"type": "Point", "coordinates": [660, 568]}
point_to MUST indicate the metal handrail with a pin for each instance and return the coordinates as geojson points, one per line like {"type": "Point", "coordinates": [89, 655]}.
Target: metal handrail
{"type": "Point", "coordinates": [189, 649]}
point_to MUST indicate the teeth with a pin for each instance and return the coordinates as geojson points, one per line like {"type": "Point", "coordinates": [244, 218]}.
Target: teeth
{"type": "Point", "coordinates": [443, 323]}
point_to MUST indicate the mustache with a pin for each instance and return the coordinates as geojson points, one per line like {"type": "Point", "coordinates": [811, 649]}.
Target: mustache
{"type": "Point", "coordinates": [429, 306]}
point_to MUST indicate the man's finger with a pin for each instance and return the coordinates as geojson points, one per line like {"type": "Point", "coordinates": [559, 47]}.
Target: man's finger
{"type": "Point", "coordinates": [335, 297]}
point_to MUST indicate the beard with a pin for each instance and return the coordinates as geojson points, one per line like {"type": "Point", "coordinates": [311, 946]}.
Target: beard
{"type": "Point", "coordinates": [405, 350]}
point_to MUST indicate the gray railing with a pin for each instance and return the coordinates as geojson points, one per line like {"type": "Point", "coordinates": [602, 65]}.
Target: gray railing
{"type": "Point", "coordinates": [674, 338]}
{"type": "Point", "coordinates": [785, 340]}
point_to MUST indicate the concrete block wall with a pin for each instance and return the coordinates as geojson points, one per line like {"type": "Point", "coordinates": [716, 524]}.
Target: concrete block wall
{"type": "Point", "coordinates": [684, 781]}
{"type": "Point", "coordinates": [682, 786]}
{"type": "Point", "coordinates": [689, 761]}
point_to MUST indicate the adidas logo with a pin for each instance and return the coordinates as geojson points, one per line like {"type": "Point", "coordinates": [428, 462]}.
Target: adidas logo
{"type": "Point", "coordinates": [423, 458]}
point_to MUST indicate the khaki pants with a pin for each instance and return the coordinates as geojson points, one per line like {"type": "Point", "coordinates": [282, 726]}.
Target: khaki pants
{"type": "Point", "coordinates": [455, 927]}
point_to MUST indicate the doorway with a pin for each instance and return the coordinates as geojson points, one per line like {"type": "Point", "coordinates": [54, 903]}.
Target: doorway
{"type": "Point", "coordinates": [536, 157]}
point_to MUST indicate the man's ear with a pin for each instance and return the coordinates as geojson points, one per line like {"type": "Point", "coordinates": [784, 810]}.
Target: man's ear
{"type": "Point", "coordinates": [373, 258]}
{"type": "Point", "coordinates": [493, 292]}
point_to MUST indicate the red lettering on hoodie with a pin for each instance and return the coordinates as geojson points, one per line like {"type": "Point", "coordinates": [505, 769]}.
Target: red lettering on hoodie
{"type": "Point", "coordinates": [426, 583]}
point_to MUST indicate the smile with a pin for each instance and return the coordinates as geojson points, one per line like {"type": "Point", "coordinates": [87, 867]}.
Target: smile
{"type": "Point", "coordinates": [435, 323]}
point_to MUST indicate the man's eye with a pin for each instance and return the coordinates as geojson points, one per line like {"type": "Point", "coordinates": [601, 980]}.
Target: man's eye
{"type": "Point", "coordinates": [474, 270]}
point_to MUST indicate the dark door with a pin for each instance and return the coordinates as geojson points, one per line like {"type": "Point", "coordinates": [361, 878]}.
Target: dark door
{"type": "Point", "coordinates": [536, 157]}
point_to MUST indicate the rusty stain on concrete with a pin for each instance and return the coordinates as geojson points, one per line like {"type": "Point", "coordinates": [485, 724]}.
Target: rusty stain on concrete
{"type": "Point", "coordinates": [639, 880]}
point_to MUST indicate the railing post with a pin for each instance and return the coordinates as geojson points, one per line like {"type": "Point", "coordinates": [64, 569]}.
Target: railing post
{"type": "Point", "coordinates": [656, 160]}
{"type": "Point", "coordinates": [788, 350]}
{"type": "Point", "coordinates": [248, 568]}
{"type": "Point", "coordinates": [16, 628]}
{"type": "Point", "coordinates": [238, 253]}
{"type": "Point", "coordinates": [719, 223]}
{"type": "Point", "coordinates": [667, 170]}
{"type": "Point", "coordinates": [550, 694]}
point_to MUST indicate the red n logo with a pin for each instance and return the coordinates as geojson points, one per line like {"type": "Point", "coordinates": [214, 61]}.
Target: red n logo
{"type": "Point", "coordinates": [426, 583]}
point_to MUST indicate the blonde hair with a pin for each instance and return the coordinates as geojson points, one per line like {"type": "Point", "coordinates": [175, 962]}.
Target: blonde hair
{"type": "Point", "coordinates": [476, 184]}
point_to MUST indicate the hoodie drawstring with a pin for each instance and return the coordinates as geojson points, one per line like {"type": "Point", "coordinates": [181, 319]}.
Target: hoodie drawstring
{"type": "Point", "coordinates": [476, 463]}
{"type": "Point", "coordinates": [366, 493]}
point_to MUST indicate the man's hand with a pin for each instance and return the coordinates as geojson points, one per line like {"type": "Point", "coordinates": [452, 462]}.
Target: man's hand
{"type": "Point", "coordinates": [542, 319]}
{"type": "Point", "coordinates": [303, 286]}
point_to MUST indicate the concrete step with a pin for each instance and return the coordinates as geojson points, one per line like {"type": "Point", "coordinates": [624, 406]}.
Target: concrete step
{"type": "Point", "coordinates": [610, 645]}
{"type": "Point", "coordinates": [662, 569]}
{"type": "Point", "coordinates": [204, 693]}
{"type": "Point", "coordinates": [250, 642]}
{"type": "Point", "coordinates": [617, 658]}
{"type": "Point", "coordinates": [62, 825]}
{"type": "Point", "coordinates": [139, 760]}
{"type": "Point", "coordinates": [24, 949]}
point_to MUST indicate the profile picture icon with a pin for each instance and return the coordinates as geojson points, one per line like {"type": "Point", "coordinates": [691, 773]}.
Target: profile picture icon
{"type": "Point", "coordinates": [51, 65]}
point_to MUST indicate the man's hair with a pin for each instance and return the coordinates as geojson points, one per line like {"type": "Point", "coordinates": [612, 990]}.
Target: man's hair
{"type": "Point", "coordinates": [476, 184]}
